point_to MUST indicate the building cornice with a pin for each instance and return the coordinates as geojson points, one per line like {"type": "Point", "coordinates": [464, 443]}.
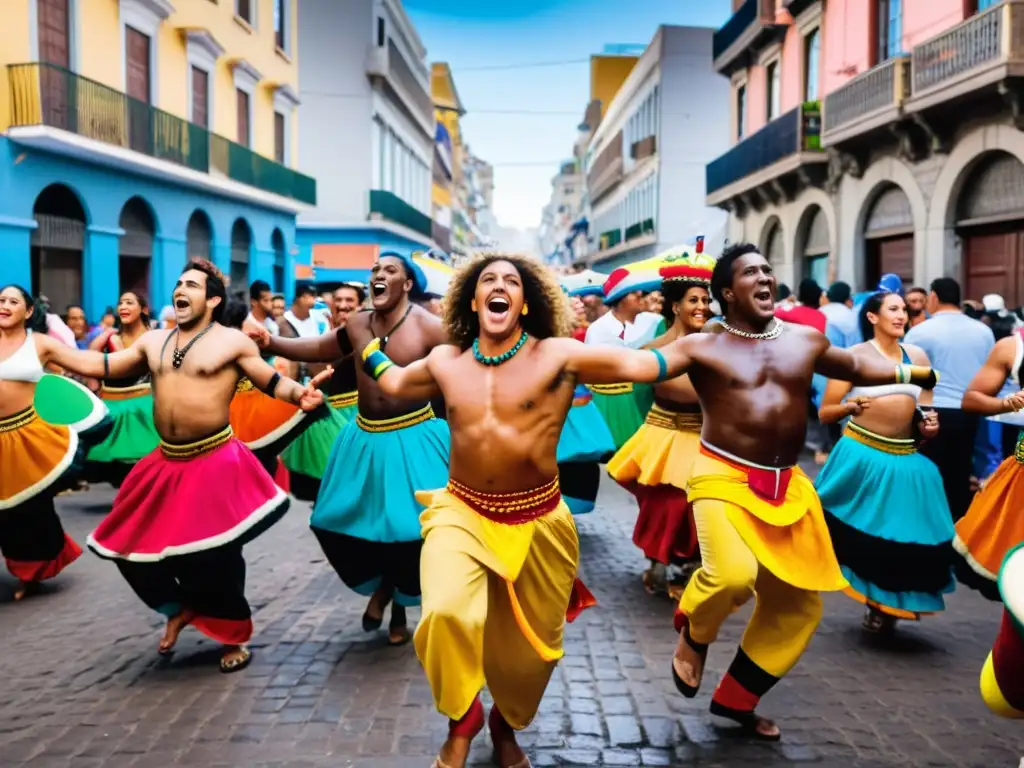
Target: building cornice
{"type": "Point", "coordinates": [203, 40]}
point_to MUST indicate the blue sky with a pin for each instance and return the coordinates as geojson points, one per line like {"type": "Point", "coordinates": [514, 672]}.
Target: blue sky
{"type": "Point", "coordinates": [474, 37]}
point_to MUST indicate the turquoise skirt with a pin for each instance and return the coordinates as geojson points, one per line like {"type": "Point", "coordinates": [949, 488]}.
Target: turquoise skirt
{"type": "Point", "coordinates": [624, 413]}
{"type": "Point", "coordinates": [889, 521]}
{"type": "Point", "coordinates": [369, 485]}
{"type": "Point", "coordinates": [307, 456]}
{"type": "Point", "coordinates": [585, 441]}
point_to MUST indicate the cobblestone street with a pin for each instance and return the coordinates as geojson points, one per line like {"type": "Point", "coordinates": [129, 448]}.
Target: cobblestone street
{"type": "Point", "coordinates": [82, 684]}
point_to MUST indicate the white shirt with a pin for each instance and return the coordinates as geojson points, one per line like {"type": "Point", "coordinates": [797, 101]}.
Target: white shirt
{"type": "Point", "coordinates": [269, 324]}
{"type": "Point", "coordinates": [609, 331]}
{"type": "Point", "coordinates": [312, 326]}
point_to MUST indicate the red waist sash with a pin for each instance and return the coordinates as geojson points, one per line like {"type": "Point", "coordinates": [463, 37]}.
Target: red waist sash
{"type": "Point", "coordinates": [768, 483]}
{"type": "Point", "coordinates": [510, 508]}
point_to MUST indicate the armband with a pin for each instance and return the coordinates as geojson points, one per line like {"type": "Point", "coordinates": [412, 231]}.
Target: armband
{"type": "Point", "coordinates": [375, 362]}
{"type": "Point", "coordinates": [662, 365]}
{"type": "Point", "coordinates": [106, 365]}
{"type": "Point", "coordinates": [272, 384]}
{"type": "Point", "coordinates": [918, 375]}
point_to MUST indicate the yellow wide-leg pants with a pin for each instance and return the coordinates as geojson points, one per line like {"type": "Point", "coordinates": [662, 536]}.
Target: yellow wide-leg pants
{"type": "Point", "coordinates": [472, 629]}
{"type": "Point", "coordinates": [784, 618]}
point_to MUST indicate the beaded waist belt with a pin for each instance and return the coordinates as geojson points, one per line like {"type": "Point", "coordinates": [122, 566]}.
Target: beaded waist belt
{"type": "Point", "coordinates": [690, 421]}
{"type": "Point", "coordinates": [244, 385]}
{"type": "Point", "coordinates": [343, 400]}
{"type": "Point", "coordinates": [509, 508]}
{"type": "Point", "coordinates": [894, 445]}
{"type": "Point", "coordinates": [611, 389]}
{"type": "Point", "coordinates": [125, 393]}
{"type": "Point", "coordinates": [426, 413]}
{"type": "Point", "coordinates": [18, 420]}
{"type": "Point", "coordinates": [1018, 450]}
{"type": "Point", "coordinates": [181, 451]}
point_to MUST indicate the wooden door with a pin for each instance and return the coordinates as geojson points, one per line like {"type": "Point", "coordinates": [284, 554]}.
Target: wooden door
{"type": "Point", "coordinates": [244, 135]}
{"type": "Point", "coordinates": [890, 255]}
{"type": "Point", "coordinates": [200, 97]}
{"type": "Point", "coordinates": [137, 76]}
{"type": "Point", "coordinates": [54, 48]}
{"type": "Point", "coordinates": [993, 262]}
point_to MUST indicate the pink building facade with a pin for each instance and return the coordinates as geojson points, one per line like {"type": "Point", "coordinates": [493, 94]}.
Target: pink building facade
{"type": "Point", "coordinates": [875, 136]}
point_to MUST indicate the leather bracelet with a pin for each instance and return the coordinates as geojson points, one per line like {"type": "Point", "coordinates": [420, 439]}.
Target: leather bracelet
{"type": "Point", "coordinates": [106, 365]}
{"type": "Point", "coordinates": [272, 384]}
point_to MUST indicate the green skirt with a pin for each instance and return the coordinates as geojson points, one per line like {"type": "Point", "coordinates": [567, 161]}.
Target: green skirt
{"type": "Point", "coordinates": [132, 437]}
{"type": "Point", "coordinates": [624, 408]}
{"type": "Point", "coordinates": [306, 457]}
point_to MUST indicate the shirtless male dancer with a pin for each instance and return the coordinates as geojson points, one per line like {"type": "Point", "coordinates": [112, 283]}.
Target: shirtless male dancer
{"type": "Point", "coordinates": [761, 527]}
{"type": "Point", "coordinates": [366, 516]}
{"type": "Point", "coordinates": [183, 513]}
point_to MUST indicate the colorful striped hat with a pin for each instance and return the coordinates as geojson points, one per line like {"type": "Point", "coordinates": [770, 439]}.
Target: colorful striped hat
{"type": "Point", "coordinates": [691, 268]}
{"type": "Point", "coordinates": [624, 281]}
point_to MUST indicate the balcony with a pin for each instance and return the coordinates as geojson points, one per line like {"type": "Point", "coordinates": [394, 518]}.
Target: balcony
{"type": "Point", "coordinates": [606, 172]}
{"type": "Point", "coordinates": [644, 148]}
{"type": "Point", "coordinates": [772, 163]}
{"type": "Point", "coordinates": [645, 227]}
{"type": "Point", "coordinates": [749, 29]}
{"type": "Point", "coordinates": [610, 239]}
{"type": "Point", "coordinates": [389, 206]}
{"type": "Point", "coordinates": [48, 96]}
{"type": "Point", "coordinates": [796, 7]}
{"type": "Point", "coordinates": [386, 64]}
{"type": "Point", "coordinates": [872, 100]}
{"type": "Point", "coordinates": [974, 56]}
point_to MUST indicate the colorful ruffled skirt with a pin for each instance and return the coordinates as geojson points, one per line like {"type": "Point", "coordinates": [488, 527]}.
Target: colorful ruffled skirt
{"type": "Point", "coordinates": [1002, 677]}
{"type": "Point", "coordinates": [623, 407]}
{"type": "Point", "coordinates": [584, 443]}
{"type": "Point", "coordinates": [133, 434]}
{"type": "Point", "coordinates": [178, 525]}
{"type": "Point", "coordinates": [39, 459]}
{"type": "Point", "coordinates": [366, 517]}
{"type": "Point", "coordinates": [890, 524]}
{"type": "Point", "coordinates": [267, 425]}
{"type": "Point", "coordinates": [993, 525]}
{"type": "Point", "coordinates": [306, 458]}
{"type": "Point", "coordinates": [654, 465]}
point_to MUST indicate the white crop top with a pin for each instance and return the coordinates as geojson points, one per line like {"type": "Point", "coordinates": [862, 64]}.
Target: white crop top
{"type": "Point", "coordinates": [883, 390]}
{"type": "Point", "coordinates": [24, 364]}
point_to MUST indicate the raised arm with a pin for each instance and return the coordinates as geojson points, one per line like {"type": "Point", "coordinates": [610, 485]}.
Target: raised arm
{"type": "Point", "coordinates": [411, 382]}
{"type": "Point", "coordinates": [265, 378]}
{"type": "Point", "coordinates": [981, 395]}
{"type": "Point", "coordinates": [97, 365]}
{"type": "Point", "coordinates": [864, 371]}
{"type": "Point", "coordinates": [598, 364]}
{"type": "Point", "coordinates": [325, 348]}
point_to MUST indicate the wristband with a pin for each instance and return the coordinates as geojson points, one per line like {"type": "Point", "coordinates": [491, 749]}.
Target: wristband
{"type": "Point", "coordinates": [918, 375]}
{"type": "Point", "coordinates": [375, 362]}
{"type": "Point", "coordinates": [662, 365]}
{"type": "Point", "coordinates": [106, 365]}
{"type": "Point", "coordinates": [272, 384]}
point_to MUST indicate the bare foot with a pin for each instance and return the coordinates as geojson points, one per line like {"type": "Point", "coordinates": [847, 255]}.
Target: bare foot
{"type": "Point", "coordinates": [174, 626]}
{"type": "Point", "coordinates": [688, 662]}
{"type": "Point", "coordinates": [508, 753]}
{"type": "Point", "coordinates": [21, 590]}
{"type": "Point", "coordinates": [455, 752]}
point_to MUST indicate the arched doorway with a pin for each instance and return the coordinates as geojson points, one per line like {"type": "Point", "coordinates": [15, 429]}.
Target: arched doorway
{"type": "Point", "coordinates": [57, 244]}
{"type": "Point", "coordinates": [135, 250]}
{"type": "Point", "coordinates": [199, 236]}
{"type": "Point", "coordinates": [816, 246]}
{"type": "Point", "coordinates": [889, 237]}
{"type": "Point", "coordinates": [773, 246]}
{"type": "Point", "coordinates": [277, 243]}
{"type": "Point", "coordinates": [241, 244]}
{"type": "Point", "coordinates": [990, 220]}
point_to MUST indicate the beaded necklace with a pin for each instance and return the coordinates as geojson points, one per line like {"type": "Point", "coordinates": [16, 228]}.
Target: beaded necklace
{"type": "Point", "coordinates": [498, 359]}
{"type": "Point", "coordinates": [773, 332]}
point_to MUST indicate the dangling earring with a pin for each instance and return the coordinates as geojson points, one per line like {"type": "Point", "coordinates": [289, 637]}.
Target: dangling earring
{"type": "Point", "coordinates": [472, 305]}
{"type": "Point", "coordinates": [526, 309]}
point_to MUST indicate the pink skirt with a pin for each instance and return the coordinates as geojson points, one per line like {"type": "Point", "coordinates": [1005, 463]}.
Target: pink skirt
{"type": "Point", "coordinates": [184, 499]}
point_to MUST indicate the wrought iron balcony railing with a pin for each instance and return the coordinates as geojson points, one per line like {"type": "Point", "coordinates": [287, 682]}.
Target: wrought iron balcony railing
{"type": "Point", "coordinates": [871, 99]}
{"type": "Point", "coordinates": [750, 27]}
{"type": "Point", "coordinates": [387, 205]}
{"type": "Point", "coordinates": [49, 95]}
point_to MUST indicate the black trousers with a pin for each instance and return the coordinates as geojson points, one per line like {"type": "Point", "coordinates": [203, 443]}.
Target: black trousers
{"type": "Point", "coordinates": [953, 452]}
{"type": "Point", "coordinates": [31, 532]}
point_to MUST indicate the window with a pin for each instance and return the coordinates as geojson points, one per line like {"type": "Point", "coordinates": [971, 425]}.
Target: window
{"type": "Point", "coordinates": [741, 112]}
{"type": "Point", "coordinates": [381, 32]}
{"type": "Point", "coordinates": [812, 57]}
{"type": "Point", "coordinates": [280, 28]}
{"type": "Point", "coordinates": [244, 129]}
{"type": "Point", "coordinates": [890, 29]}
{"type": "Point", "coordinates": [200, 97]}
{"type": "Point", "coordinates": [773, 85]}
{"type": "Point", "coordinates": [137, 47]}
{"type": "Point", "coordinates": [243, 10]}
{"type": "Point", "coordinates": [280, 136]}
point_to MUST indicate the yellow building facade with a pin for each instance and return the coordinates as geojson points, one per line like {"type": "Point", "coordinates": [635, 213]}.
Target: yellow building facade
{"type": "Point", "coordinates": [607, 74]}
{"type": "Point", "coordinates": [140, 133]}
{"type": "Point", "coordinates": [448, 151]}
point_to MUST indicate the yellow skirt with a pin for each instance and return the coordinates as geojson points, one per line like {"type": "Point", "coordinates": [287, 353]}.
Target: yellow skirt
{"type": "Point", "coordinates": [661, 452]}
{"type": "Point", "coordinates": [494, 604]}
{"type": "Point", "coordinates": [33, 456]}
{"type": "Point", "coordinates": [789, 538]}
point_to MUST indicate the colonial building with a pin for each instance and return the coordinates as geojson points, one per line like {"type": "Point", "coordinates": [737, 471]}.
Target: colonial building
{"type": "Point", "coordinates": [137, 133]}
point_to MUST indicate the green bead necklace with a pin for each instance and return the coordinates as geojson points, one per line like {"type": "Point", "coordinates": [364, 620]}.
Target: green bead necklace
{"type": "Point", "coordinates": [498, 359]}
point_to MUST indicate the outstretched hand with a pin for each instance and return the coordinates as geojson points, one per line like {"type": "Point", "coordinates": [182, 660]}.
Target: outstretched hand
{"type": "Point", "coordinates": [259, 334]}
{"type": "Point", "coordinates": [311, 397]}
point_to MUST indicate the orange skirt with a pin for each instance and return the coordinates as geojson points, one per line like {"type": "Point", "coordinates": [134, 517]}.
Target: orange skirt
{"type": "Point", "coordinates": [34, 455]}
{"type": "Point", "coordinates": [265, 424]}
{"type": "Point", "coordinates": [993, 525]}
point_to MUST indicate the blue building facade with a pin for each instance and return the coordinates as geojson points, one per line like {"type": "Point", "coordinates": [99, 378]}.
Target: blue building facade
{"type": "Point", "coordinates": [82, 232]}
{"type": "Point", "coordinates": [351, 265]}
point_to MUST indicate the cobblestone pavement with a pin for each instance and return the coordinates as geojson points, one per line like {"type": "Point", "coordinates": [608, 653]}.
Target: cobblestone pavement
{"type": "Point", "coordinates": [81, 684]}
